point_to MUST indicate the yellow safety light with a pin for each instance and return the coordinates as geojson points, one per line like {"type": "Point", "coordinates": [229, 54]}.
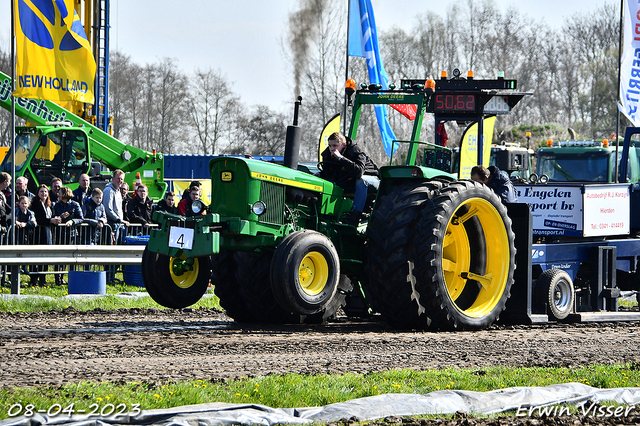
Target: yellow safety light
{"type": "Point", "coordinates": [605, 142]}
{"type": "Point", "coordinates": [443, 75]}
{"type": "Point", "coordinates": [350, 84]}
{"type": "Point", "coordinates": [430, 85]}
{"type": "Point", "coordinates": [549, 142]}
{"type": "Point", "coordinates": [470, 75]}
{"type": "Point", "coordinates": [349, 89]}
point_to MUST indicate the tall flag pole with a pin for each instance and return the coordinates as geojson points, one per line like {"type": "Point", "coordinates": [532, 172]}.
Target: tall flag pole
{"type": "Point", "coordinates": [346, 70]}
{"type": "Point", "coordinates": [618, 96]}
{"type": "Point", "coordinates": [364, 43]}
{"type": "Point", "coordinates": [13, 130]}
{"type": "Point", "coordinates": [54, 58]}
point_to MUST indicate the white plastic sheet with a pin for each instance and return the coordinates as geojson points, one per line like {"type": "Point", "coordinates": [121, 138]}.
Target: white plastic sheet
{"type": "Point", "coordinates": [522, 400]}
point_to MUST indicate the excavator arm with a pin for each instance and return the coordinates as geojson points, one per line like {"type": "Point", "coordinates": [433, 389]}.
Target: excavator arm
{"type": "Point", "coordinates": [103, 148]}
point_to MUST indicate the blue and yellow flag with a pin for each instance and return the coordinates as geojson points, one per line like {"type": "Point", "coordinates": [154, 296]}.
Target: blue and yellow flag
{"type": "Point", "coordinates": [54, 59]}
{"type": "Point", "coordinates": [361, 16]}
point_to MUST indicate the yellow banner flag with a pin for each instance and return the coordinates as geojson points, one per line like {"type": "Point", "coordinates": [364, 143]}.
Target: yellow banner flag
{"type": "Point", "coordinates": [54, 59]}
{"type": "Point", "coordinates": [332, 126]}
{"type": "Point", "coordinates": [469, 147]}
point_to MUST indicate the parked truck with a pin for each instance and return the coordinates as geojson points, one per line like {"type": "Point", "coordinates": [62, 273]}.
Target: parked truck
{"type": "Point", "coordinates": [58, 143]}
{"type": "Point", "coordinates": [586, 161]}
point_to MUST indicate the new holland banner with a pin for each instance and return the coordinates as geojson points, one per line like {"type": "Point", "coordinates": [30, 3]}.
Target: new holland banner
{"type": "Point", "coordinates": [54, 60]}
{"type": "Point", "coordinates": [629, 67]}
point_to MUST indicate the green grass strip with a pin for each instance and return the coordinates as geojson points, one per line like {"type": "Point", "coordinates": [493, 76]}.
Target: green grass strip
{"type": "Point", "coordinates": [294, 390]}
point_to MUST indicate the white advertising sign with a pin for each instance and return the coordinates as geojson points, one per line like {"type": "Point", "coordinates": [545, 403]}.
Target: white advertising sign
{"type": "Point", "coordinates": [556, 210]}
{"type": "Point", "coordinates": [606, 210]}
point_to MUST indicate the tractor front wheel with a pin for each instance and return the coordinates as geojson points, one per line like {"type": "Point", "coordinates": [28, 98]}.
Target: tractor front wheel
{"type": "Point", "coordinates": [305, 272]}
{"type": "Point", "coordinates": [149, 260]}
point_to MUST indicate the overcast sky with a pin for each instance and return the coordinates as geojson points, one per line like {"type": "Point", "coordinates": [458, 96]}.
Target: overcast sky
{"type": "Point", "coordinates": [242, 37]}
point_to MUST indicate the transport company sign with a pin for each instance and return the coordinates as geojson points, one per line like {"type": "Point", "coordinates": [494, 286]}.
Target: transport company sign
{"type": "Point", "coordinates": [577, 210]}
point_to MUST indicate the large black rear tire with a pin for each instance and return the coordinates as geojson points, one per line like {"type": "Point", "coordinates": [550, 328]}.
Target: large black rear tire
{"type": "Point", "coordinates": [225, 286]}
{"type": "Point", "coordinates": [465, 257]}
{"type": "Point", "coordinates": [252, 277]}
{"type": "Point", "coordinates": [389, 250]}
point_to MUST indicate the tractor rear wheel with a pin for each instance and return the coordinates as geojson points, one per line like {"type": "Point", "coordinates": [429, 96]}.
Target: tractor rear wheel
{"type": "Point", "coordinates": [252, 277]}
{"type": "Point", "coordinates": [465, 257]}
{"type": "Point", "coordinates": [554, 289]}
{"type": "Point", "coordinates": [225, 286]}
{"type": "Point", "coordinates": [305, 272]}
{"type": "Point", "coordinates": [180, 282]}
{"type": "Point", "coordinates": [389, 250]}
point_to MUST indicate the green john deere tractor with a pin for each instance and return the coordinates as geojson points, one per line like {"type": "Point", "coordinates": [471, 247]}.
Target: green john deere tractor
{"type": "Point", "coordinates": [434, 252]}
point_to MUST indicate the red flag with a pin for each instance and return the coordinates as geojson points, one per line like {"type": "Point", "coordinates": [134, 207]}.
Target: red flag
{"type": "Point", "coordinates": [442, 132]}
{"type": "Point", "coordinates": [408, 111]}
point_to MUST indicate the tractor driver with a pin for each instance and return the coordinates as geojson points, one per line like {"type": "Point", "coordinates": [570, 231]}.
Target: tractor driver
{"type": "Point", "coordinates": [496, 180]}
{"type": "Point", "coordinates": [346, 165]}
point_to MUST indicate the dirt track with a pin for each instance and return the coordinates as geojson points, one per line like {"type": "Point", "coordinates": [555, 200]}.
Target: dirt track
{"type": "Point", "coordinates": [61, 347]}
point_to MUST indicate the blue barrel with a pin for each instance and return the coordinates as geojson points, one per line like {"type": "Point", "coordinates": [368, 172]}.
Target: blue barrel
{"type": "Point", "coordinates": [87, 282]}
{"type": "Point", "coordinates": [132, 274]}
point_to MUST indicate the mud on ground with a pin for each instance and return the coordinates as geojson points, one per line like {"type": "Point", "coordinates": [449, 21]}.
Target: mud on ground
{"type": "Point", "coordinates": [158, 345]}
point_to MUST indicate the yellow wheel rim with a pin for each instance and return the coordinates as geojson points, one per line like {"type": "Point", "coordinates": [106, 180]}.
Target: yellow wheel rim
{"type": "Point", "coordinates": [457, 252]}
{"type": "Point", "coordinates": [187, 278]}
{"type": "Point", "coordinates": [313, 273]}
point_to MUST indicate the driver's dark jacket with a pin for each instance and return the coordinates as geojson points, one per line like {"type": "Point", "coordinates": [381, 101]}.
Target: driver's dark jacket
{"type": "Point", "coordinates": [353, 164]}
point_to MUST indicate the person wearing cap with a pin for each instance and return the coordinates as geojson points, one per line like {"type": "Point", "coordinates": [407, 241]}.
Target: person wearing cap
{"type": "Point", "coordinates": [184, 207]}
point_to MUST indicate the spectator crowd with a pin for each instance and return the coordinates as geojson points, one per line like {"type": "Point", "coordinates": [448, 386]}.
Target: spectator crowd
{"type": "Point", "coordinates": [57, 215]}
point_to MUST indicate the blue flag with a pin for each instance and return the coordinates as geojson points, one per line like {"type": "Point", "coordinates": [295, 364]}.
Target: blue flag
{"type": "Point", "coordinates": [363, 42]}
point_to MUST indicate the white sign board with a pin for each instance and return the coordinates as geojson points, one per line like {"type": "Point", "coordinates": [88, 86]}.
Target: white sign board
{"type": "Point", "coordinates": [181, 238]}
{"type": "Point", "coordinates": [577, 210]}
{"type": "Point", "coordinates": [556, 210]}
{"type": "Point", "coordinates": [606, 210]}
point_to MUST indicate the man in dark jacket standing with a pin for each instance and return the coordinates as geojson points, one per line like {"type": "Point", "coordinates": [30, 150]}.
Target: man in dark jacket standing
{"type": "Point", "coordinates": [494, 179]}
{"type": "Point", "coordinates": [83, 192]}
{"type": "Point", "coordinates": [346, 165]}
{"type": "Point", "coordinates": [140, 207]}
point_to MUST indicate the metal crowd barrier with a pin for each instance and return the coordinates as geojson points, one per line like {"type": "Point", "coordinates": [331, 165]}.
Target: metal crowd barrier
{"type": "Point", "coordinates": [80, 244]}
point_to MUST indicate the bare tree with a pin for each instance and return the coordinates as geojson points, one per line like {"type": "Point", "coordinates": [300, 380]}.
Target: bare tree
{"type": "Point", "coordinates": [212, 104]}
{"type": "Point", "coordinates": [122, 94]}
{"type": "Point", "coordinates": [5, 116]}
{"type": "Point", "coordinates": [262, 132]}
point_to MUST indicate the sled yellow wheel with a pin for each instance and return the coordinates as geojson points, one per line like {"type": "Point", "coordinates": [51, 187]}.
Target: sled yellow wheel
{"type": "Point", "coordinates": [457, 251]}
{"type": "Point", "coordinates": [313, 273]}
